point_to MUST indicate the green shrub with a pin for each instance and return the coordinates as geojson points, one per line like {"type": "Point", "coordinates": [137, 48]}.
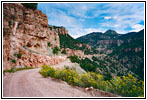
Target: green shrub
{"type": "Point", "coordinates": [10, 22]}
{"type": "Point", "coordinates": [55, 50]}
{"type": "Point", "coordinates": [125, 86]}
{"type": "Point", "coordinates": [90, 79]}
{"type": "Point", "coordinates": [18, 55]}
{"type": "Point", "coordinates": [86, 80]}
{"type": "Point", "coordinates": [47, 71]}
{"type": "Point", "coordinates": [13, 60]}
{"type": "Point", "coordinates": [30, 5]}
{"type": "Point", "coordinates": [86, 63]}
{"type": "Point", "coordinates": [74, 59]}
{"type": "Point", "coordinates": [96, 76]}
{"type": "Point", "coordinates": [50, 28]}
{"type": "Point", "coordinates": [23, 68]}
{"type": "Point", "coordinates": [54, 27]}
{"type": "Point", "coordinates": [49, 44]}
{"type": "Point", "coordinates": [51, 72]}
{"type": "Point", "coordinates": [64, 51]}
{"type": "Point", "coordinates": [68, 75]}
{"type": "Point", "coordinates": [13, 69]}
{"type": "Point", "coordinates": [107, 76]}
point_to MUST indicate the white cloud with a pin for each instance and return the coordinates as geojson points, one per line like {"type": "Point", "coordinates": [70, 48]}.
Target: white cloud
{"type": "Point", "coordinates": [60, 18]}
{"type": "Point", "coordinates": [107, 17]}
{"type": "Point", "coordinates": [115, 17]}
{"type": "Point", "coordinates": [136, 28]}
{"type": "Point", "coordinates": [80, 9]}
{"type": "Point", "coordinates": [116, 25]}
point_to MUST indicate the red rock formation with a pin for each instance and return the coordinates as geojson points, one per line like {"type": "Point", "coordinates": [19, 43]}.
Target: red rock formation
{"type": "Point", "coordinates": [61, 30]}
{"type": "Point", "coordinates": [71, 52]}
{"type": "Point", "coordinates": [26, 30]}
{"type": "Point", "coordinates": [34, 60]}
{"type": "Point", "coordinates": [84, 45]}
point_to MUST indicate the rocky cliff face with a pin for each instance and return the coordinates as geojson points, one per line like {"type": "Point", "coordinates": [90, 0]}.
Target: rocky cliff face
{"type": "Point", "coordinates": [26, 32]}
{"type": "Point", "coordinates": [71, 52]}
{"type": "Point", "coordinates": [109, 42]}
{"type": "Point", "coordinates": [61, 31]}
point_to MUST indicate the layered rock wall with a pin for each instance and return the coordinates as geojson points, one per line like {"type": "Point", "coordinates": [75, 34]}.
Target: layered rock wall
{"type": "Point", "coordinates": [109, 42]}
{"type": "Point", "coordinates": [26, 30]}
{"type": "Point", "coordinates": [61, 31]}
{"type": "Point", "coordinates": [71, 52]}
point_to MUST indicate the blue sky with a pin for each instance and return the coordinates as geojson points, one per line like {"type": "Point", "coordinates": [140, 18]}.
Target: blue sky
{"type": "Point", "coordinates": [83, 18]}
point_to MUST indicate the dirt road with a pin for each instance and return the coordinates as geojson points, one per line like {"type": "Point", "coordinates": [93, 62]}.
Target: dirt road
{"type": "Point", "coordinates": [29, 83]}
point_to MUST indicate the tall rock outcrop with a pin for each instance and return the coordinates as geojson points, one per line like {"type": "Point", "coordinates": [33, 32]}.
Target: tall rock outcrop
{"type": "Point", "coordinates": [26, 32]}
{"type": "Point", "coordinates": [61, 31]}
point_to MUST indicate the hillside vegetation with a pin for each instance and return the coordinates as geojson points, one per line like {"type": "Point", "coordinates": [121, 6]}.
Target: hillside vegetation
{"type": "Point", "coordinates": [124, 86]}
{"type": "Point", "coordinates": [66, 41]}
{"type": "Point", "coordinates": [131, 53]}
{"type": "Point", "coordinates": [127, 51]}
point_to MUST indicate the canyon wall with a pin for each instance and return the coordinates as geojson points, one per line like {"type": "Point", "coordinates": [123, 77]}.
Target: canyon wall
{"type": "Point", "coordinates": [27, 40]}
{"type": "Point", "coordinates": [61, 30]}
{"type": "Point", "coordinates": [109, 42]}
{"type": "Point", "coordinates": [71, 52]}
